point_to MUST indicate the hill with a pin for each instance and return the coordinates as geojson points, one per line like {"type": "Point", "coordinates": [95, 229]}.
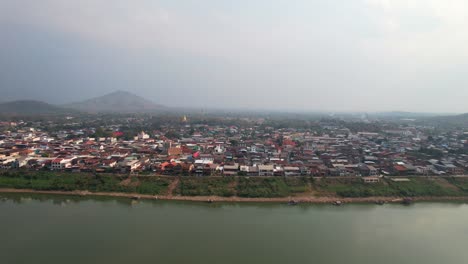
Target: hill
{"type": "Point", "coordinates": [119, 101]}
{"type": "Point", "coordinates": [450, 121]}
{"type": "Point", "coordinates": [30, 107]}
{"type": "Point", "coordinates": [402, 114]}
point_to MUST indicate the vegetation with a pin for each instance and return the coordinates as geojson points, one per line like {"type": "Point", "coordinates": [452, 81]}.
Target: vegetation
{"type": "Point", "coordinates": [172, 135]}
{"type": "Point", "coordinates": [206, 186]}
{"type": "Point", "coordinates": [270, 187]}
{"type": "Point", "coordinates": [252, 187]}
{"type": "Point", "coordinates": [460, 183]}
{"type": "Point", "coordinates": [354, 187]}
{"type": "Point", "coordinates": [100, 132]}
{"type": "Point", "coordinates": [424, 187]}
{"type": "Point", "coordinates": [153, 185]}
{"type": "Point", "coordinates": [298, 184]}
{"type": "Point", "coordinates": [51, 181]}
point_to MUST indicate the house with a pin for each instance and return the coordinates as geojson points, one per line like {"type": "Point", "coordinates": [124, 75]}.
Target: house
{"type": "Point", "coordinates": [291, 171]}
{"type": "Point", "coordinates": [231, 170]}
{"type": "Point", "coordinates": [249, 170]}
{"type": "Point", "coordinates": [129, 165]}
{"type": "Point", "coordinates": [372, 170]}
{"type": "Point", "coordinates": [8, 163]}
{"type": "Point", "coordinates": [171, 168]}
{"type": "Point", "coordinates": [265, 170]}
{"type": "Point", "coordinates": [109, 163]}
{"type": "Point", "coordinates": [207, 157]}
{"type": "Point", "coordinates": [142, 136]}
{"type": "Point", "coordinates": [399, 170]}
{"type": "Point", "coordinates": [339, 170]}
{"type": "Point", "coordinates": [61, 163]}
{"type": "Point", "coordinates": [278, 170]}
{"type": "Point", "coordinates": [367, 170]}
{"type": "Point", "coordinates": [203, 167]}
{"type": "Point", "coordinates": [174, 151]}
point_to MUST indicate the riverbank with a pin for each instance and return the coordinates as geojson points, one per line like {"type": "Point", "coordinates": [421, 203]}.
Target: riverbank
{"type": "Point", "coordinates": [237, 188]}
{"type": "Point", "coordinates": [299, 199]}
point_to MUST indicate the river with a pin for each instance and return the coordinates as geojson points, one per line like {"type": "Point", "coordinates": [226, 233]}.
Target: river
{"type": "Point", "coordinates": [58, 229]}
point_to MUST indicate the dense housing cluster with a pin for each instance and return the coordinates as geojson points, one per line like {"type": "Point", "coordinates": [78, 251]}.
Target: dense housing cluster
{"type": "Point", "coordinates": [242, 146]}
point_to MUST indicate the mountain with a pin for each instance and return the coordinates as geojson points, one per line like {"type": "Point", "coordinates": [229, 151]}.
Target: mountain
{"type": "Point", "coordinates": [30, 107]}
{"type": "Point", "coordinates": [119, 101]}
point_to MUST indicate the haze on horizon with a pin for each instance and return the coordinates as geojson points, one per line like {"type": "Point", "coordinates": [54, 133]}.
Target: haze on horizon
{"type": "Point", "coordinates": [362, 55]}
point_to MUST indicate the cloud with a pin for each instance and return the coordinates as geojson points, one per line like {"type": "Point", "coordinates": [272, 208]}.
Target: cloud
{"type": "Point", "coordinates": [155, 25]}
{"type": "Point", "coordinates": [345, 56]}
{"type": "Point", "coordinates": [111, 22]}
{"type": "Point", "coordinates": [425, 32]}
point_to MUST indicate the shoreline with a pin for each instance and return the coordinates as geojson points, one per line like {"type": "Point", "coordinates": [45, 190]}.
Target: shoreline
{"type": "Point", "coordinates": [235, 199]}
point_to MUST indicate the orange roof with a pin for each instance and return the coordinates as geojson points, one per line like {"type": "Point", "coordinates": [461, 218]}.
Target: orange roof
{"type": "Point", "coordinates": [174, 151]}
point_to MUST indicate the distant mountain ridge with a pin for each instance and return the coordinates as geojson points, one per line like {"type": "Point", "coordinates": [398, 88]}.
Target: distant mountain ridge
{"type": "Point", "coordinates": [119, 101]}
{"type": "Point", "coordinates": [455, 120]}
{"type": "Point", "coordinates": [116, 102]}
{"type": "Point", "coordinates": [30, 107]}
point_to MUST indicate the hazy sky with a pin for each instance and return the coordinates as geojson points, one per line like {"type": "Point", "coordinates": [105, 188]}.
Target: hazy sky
{"type": "Point", "coordinates": [340, 55]}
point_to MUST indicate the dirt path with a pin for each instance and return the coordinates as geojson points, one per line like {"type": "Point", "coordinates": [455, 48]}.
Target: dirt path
{"type": "Point", "coordinates": [300, 199]}
{"type": "Point", "coordinates": [444, 183]}
{"type": "Point", "coordinates": [172, 187]}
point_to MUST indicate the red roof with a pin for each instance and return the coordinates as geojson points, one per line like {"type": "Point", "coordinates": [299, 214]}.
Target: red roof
{"type": "Point", "coordinates": [186, 150]}
{"type": "Point", "coordinates": [117, 134]}
{"type": "Point", "coordinates": [288, 142]}
{"type": "Point", "coordinates": [399, 168]}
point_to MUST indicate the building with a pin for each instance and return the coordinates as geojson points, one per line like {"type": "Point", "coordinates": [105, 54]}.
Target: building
{"type": "Point", "coordinates": [230, 170]}
{"type": "Point", "coordinates": [142, 136]}
{"type": "Point", "coordinates": [292, 171]}
{"type": "Point", "coordinates": [61, 163]}
{"type": "Point", "coordinates": [265, 170]}
{"type": "Point", "coordinates": [370, 179]}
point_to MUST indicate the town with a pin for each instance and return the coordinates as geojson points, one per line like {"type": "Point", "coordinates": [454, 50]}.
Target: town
{"type": "Point", "coordinates": [240, 146]}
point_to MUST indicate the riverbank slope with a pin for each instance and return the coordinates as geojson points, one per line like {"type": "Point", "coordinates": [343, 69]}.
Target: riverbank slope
{"type": "Point", "coordinates": [237, 188]}
{"type": "Point", "coordinates": [299, 199]}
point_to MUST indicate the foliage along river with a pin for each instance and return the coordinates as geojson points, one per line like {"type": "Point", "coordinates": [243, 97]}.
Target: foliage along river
{"type": "Point", "coordinates": [56, 229]}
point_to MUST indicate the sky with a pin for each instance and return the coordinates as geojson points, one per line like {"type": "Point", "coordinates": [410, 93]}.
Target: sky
{"type": "Point", "coordinates": [304, 55]}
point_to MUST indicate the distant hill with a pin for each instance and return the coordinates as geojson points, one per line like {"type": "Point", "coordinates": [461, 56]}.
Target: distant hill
{"type": "Point", "coordinates": [30, 107]}
{"type": "Point", "coordinates": [119, 101]}
{"type": "Point", "coordinates": [452, 120]}
{"type": "Point", "coordinates": [402, 114]}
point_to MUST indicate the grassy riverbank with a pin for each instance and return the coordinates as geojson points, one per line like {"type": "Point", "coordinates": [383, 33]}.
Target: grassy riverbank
{"type": "Point", "coordinates": [233, 188]}
{"type": "Point", "coordinates": [55, 181]}
{"type": "Point", "coordinates": [355, 187]}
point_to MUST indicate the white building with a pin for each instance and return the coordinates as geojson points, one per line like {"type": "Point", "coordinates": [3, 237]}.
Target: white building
{"type": "Point", "coordinates": [142, 135]}
{"type": "Point", "coordinates": [61, 163]}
